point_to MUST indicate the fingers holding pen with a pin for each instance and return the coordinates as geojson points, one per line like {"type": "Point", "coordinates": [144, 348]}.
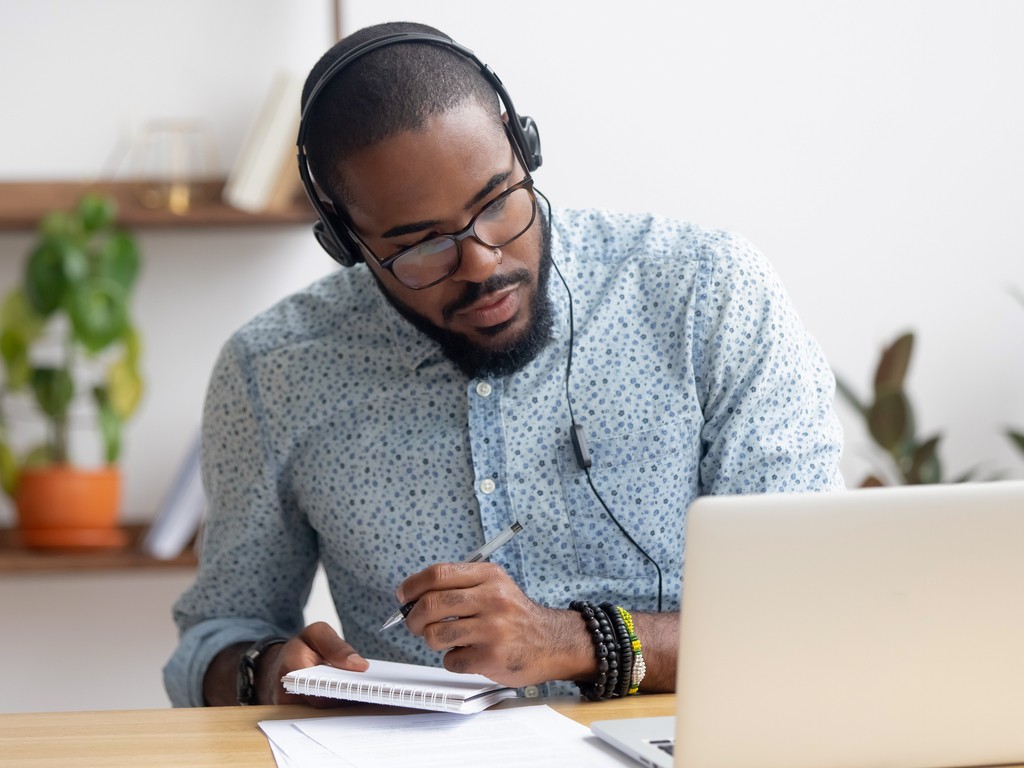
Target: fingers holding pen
{"type": "Point", "coordinates": [446, 591]}
{"type": "Point", "coordinates": [470, 574]}
{"type": "Point", "coordinates": [441, 576]}
{"type": "Point", "coordinates": [483, 622]}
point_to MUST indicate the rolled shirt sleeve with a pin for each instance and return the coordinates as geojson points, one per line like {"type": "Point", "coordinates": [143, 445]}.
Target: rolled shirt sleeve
{"type": "Point", "coordinates": [259, 555]}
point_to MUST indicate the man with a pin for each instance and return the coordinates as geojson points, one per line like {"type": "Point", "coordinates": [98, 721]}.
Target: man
{"type": "Point", "coordinates": [395, 415]}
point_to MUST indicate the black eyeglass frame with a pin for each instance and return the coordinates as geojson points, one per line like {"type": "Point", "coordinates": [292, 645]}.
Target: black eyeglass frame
{"type": "Point", "coordinates": [457, 237]}
{"type": "Point", "coordinates": [462, 234]}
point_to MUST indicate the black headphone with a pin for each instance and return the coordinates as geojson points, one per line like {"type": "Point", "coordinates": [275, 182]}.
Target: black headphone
{"type": "Point", "coordinates": [331, 230]}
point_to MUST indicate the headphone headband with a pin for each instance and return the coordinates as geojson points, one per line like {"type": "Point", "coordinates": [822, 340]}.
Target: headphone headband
{"type": "Point", "coordinates": [331, 231]}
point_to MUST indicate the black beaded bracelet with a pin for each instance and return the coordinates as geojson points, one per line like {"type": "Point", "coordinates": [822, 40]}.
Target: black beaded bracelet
{"type": "Point", "coordinates": [625, 647]}
{"type": "Point", "coordinates": [606, 651]}
{"type": "Point", "coordinates": [614, 656]}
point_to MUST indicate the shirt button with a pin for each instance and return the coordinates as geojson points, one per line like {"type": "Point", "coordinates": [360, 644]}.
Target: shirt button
{"type": "Point", "coordinates": [487, 485]}
{"type": "Point", "coordinates": [531, 691]}
{"type": "Point", "coordinates": [484, 389]}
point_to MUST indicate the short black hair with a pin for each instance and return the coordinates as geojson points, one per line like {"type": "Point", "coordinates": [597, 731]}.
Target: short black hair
{"type": "Point", "coordinates": [390, 90]}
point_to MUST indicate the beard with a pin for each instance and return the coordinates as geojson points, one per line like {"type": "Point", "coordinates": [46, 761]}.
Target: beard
{"type": "Point", "coordinates": [475, 361]}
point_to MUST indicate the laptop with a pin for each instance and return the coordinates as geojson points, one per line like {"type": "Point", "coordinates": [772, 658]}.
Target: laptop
{"type": "Point", "coordinates": [877, 627]}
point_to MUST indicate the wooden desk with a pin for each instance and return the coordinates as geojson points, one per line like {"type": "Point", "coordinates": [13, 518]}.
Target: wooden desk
{"type": "Point", "coordinates": [212, 737]}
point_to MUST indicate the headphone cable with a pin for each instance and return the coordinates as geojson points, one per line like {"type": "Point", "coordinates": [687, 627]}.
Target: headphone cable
{"type": "Point", "coordinates": [572, 418]}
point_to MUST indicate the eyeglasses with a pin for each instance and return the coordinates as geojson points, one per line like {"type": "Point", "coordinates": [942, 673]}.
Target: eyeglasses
{"type": "Point", "coordinates": [495, 225]}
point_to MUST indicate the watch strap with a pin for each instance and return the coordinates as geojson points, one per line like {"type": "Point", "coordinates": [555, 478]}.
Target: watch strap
{"type": "Point", "coordinates": [246, 685]}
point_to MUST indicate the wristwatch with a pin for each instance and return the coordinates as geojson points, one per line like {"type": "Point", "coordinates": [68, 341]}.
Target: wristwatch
{"type": "Point", "coordinates": [246, 685]}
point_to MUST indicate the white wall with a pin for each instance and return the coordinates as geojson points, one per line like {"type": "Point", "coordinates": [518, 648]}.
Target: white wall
{"type": "Point", "coordinates": [870, 148]}
{"type": "Point", "coordinates": [93, 640]}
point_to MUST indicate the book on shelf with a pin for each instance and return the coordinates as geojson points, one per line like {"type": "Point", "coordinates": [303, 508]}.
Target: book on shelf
{"type": "Point", "coordinates": [181, 511]}
{"type": "Point", "coordinates": [401, 685]}
{"type": "Point", "coordinates": [287, 189]}
{"type": "Point", "coordinates": [265, 176]}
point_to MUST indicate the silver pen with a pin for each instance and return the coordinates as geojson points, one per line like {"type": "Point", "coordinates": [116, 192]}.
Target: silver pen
{"type": "Point", "coordinates": [488, 549]}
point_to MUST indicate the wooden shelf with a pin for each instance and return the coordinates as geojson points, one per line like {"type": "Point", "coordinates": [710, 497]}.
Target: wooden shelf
{"type": "Point", "coordinates": [16, 558]}
{"type": "Point", "coordinates": [23, 204]}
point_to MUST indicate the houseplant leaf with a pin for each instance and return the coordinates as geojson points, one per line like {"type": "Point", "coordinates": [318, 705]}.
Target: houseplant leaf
{"type": "Point", "coordinates": [20, 325]}
{"type": "Point", "coordinates": [888, 419]}
{"type": "Point", "coordinates": [970, 474]}
{"type": "Point", "coordinates": [18, 315]}
{"type": "Point", "coordinates": [98, 311]}
{"type": "Point", "coordinates": [51, 267]}
{"type": "Point", "coordinates": [109, 423]}
{"type": "Point", "coordinates": [924, 463]}
{"type": "Point", "coordinates": [54, 390]}
{"type": "Point", "coordinates": [124, 387]}
{"type": "Point", "coordinates": [96, 212]}
{"type": "Point", "coordinates": [60, 225]}
{"type": "Point", "coordinates": [132, 345]}
{"type": "Point", "coordinates": [14, 350]}
{"type": "Point", "coordinates": [118, 260]}
{"type": "Point", "coordinates": [8, 469]}
{"type": "Point", "coordinates": [1017, 438]}
{"type": "Point", "coordinates": [893, 365]}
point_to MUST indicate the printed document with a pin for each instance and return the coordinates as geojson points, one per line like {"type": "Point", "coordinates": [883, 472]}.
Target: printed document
{"type": "Point", "coordinates": [524, 735]}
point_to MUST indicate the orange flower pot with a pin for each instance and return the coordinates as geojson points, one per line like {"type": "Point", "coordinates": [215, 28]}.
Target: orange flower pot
{"type": "Point", "coordinates": [64, 507]}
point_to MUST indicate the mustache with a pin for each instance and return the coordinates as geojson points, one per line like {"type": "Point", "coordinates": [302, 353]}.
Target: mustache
{"type": "Point", "coordinates": [475, 291]}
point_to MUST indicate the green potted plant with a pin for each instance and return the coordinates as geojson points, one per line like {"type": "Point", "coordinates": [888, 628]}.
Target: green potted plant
{"type": "Point", "coordinates": [889, 417]}
{"type": "Point", "coordinates": [68, 345]}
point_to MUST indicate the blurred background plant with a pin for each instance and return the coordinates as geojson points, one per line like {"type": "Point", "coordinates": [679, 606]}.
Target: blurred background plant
{"type": "Point", "coordinates": [889, 417]}
{"type": "Point", "coordinates": [67, 330]}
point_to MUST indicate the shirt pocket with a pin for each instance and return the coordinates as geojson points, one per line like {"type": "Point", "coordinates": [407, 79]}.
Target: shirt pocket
{"type": "Point", "coordinates": [646, 479]}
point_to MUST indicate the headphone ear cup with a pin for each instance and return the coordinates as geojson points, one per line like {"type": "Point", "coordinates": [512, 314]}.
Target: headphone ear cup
{"type": "Point", "coordinates": [339, 249]}
{"type": "Point", "coordinates": [531, 136]}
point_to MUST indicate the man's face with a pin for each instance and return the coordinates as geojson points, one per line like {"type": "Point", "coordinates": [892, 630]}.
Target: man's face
{"type": "Point", "coordinates": [419, 184]}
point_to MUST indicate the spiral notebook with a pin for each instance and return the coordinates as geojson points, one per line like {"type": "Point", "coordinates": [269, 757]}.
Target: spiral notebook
{"type": "Point", "coordinates": [400, 685]}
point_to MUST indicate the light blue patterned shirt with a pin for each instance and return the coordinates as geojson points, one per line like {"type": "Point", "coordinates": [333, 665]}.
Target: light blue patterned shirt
{"type": "Point", "coordinates": [335, 431]}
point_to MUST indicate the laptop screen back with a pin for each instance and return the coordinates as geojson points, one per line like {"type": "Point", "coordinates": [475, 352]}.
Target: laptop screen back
{"type": "Point", "coordinates": [880, 627]}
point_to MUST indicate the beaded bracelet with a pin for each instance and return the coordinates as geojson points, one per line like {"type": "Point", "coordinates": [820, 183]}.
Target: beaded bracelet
{"type": "Point", "coordinates": [615, 651]}
{"type": "Point", "coordinates": [622, 637]}
{"type": "Point", "coordinates": [606, 650]}
{"type": "Point", "coordinates": [639, 670]}
{"type": "Point", "coordinates": [639, 666]}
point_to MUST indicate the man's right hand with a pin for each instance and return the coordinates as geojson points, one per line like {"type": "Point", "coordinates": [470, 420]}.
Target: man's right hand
{"type": "Point", "coordinates": [316, 644]}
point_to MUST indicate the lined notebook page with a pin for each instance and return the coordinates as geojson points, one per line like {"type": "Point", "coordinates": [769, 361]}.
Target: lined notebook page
{"type": "Point", "coordinates": [400, 685]}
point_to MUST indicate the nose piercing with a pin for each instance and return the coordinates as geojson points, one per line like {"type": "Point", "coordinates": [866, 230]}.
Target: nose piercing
{"type": "Point", "coordinates": [497, 253]}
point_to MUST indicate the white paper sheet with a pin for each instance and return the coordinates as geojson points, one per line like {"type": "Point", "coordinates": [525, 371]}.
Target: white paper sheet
{"type": "Point", "coordinates": [533, 735]}
{"type": "Point", "coordinates": [294, 749]}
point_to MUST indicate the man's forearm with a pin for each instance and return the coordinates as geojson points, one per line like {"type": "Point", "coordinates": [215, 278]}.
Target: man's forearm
{"type": "Point", "coordinates": [220, 684]}
{"type": "Point", "coordinates": [659, 638]}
